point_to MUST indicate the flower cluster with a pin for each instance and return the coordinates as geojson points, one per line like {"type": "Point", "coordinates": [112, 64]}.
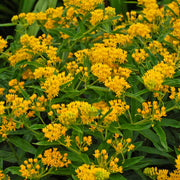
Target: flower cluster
{"type": "Point", "coordinates": [53, 158]}
{"type": "Point", "coordinates": [152, 111]}
{"type": "Point", "coordinates": [111, 165]}
{"type": "Point", "coordinates": [76, 112]}
{"type": "Point", "coordinates": [91, 172]}
{"type": "Point", "coordinates": [52, 83]}
{"type": "Point", "coordinates": [84, 143]}
{"type": "Point", "coordinates": [3, 44]}
{"type": "Point", "coordinates": [164, 174]}
{"type": "Point", "coordinates": [31, 168]}
{"type": "Point", "coordinates": [54, 131]}
{"type": "Point", "coordinates": [121, 145]}
{"type": "Point", "coordinates": [140, 55]}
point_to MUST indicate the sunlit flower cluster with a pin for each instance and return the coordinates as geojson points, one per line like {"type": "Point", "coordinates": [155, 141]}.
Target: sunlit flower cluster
{"type": "Point", "coordinates": [91, 172]}
{"type": "Point", "coordinates": [54, 131]}
{"type": "Point", "coordinates": [77, 112]}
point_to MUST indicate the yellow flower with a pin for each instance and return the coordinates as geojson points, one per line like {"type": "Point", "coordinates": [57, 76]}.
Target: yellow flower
{"type": "Point", "coordinates": [54, 131]}
{"type": "Point", "coordinates": [3, 44]}
{"type": "Point", "coordinates": [53, 158]}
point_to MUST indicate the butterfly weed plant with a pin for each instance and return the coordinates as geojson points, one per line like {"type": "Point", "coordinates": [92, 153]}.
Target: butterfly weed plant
{"type": "Point", "coordinates": [94, 95]}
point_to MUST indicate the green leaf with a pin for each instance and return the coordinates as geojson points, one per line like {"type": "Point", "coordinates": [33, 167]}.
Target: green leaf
{"type": "Point", "coordinates": [162, 136]}
{"type": "Point", "coordinates": [22, 144]}
{"type": "Point", "coordinates": [149, 134]}
{"type": "Point", "coordinates": [24, 93]}
{"type": "Point", "coordinates": [46, 143]}
{"type": "Point", "coordinates": [169, 123]}
{"type": "Point", "coordinates": [98, 88]}
{"type": "Point", "coordinates": [37, 126]}
{"type": "Point", "coordinates": [131, 163]}
{"type": "Point", "coordinates": [117, 177]}
{"type": "Point", "coordinates": [137, 127]}
{"type": "Point", "coordinates": [7, 156]}
{"type": "Point", "coordinates": [13, 170]}
{"type": "Point", "coordinates": [138, 98]}
{"type": "Point", "coordinates": [63, 171]}
{"type": "Point", "coordinates": [172, 82]}
{"type": "Point", "coordinates": [151, 150]}
{"type": "Point", "coordinates": [77, 129]}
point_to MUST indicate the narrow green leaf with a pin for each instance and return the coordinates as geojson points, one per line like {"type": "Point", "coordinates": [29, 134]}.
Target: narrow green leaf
{"type": "Point", "coordinates": [37, 126]}
{"type": "Point", "coordinates": [162, 136]}
{"type": "Point", "coordinates": [22, 144]}
{"type": "Point", "coordinates": [169, 123]}
{"type": "Point", "coordinates": [151, 150]}
{"type": "Point", "coordinates": [138, 98]}
{"type": "Point", "coordinates": [149, 134]}
{"type": "Point", "coordinates": [136, 127]}
{"type": "Point", "coordinates": [46, 143]}
{"type": "Point", "coordinates": [131, 163]}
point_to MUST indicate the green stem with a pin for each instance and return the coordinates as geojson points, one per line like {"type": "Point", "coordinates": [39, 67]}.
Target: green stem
{"type": "Point", "coordinates": [39, 116]}
{"type": "Point", "coordinates": [170, 109]}
{"type": "Point", "coordinates": [7, 24]}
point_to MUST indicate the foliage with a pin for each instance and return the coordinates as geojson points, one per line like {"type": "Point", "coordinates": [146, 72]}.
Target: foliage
{"type": "Point", "coordinates": [88, 94]}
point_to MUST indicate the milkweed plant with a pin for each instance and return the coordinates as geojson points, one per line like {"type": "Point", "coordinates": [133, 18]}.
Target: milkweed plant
{"type": "Point", "coordinates": [94, 95]}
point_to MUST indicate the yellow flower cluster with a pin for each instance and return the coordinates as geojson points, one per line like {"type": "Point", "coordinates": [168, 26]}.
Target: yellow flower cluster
{"type": "Point", "coordinates": [52, 84]}
{"type": "Point", "coordinates": [6, 126]}
{"type": "Point", "coordinates": [102, 71]}
{"type": "Point", "coordinates": [31, 169]}
{"type": "Point", "coordinates": [151, 10]}
{"type": "Point", "coordinates": [131, 16]}
{"type": "Point", "coordinates": [175, 8]}
{"type": "Point", "coordinates": [54, 131]}
{"type": "Point", "coordinates": [1, 91]}
{"type": "Point", "coordinates": [40, 45]}
{"type": "Point", "coordinates": [154, 78]}
{"type": "Point", "coordinates": [106, 55]}
{"type": "Point", "coordinates": [15, 86]}
{"type": "Point", "coordinates": [44, 72]}
{"type": "Point", "coordinates": [175, 95]}
{"type": "Point", "coordinates": [3, 176]}
{"type": "Point", "coordinates": [91, 172]}
{"type": "Point", "coordinates": [111, 165]}
{"type": "Point", "coordinates": [152, 111]}
{"type": "Point", "coordinates": [140, 55]}
{"type": "Point", "coordinates": [175, 34]}
{"type": "Point", "coordinates": [164, 174]}
{"type": "Point", "coordinates": [121, 72]}
{"type": "Point", "coordinates": [96, 16]}
{"type": "Point", "coordinates": [118, 107]}
{"type": "Point", "coordinates": [77, 112]}
{"type": "Point", "coordinates": [139, 29]}
{"type": "Point", "coordinates": [117, 84]}
{"type": "Point", "coordinates": [117, 39]}
{"type": "Point", "coordinates": [21, 54]}
{"type": "Point", "coordinates": [3, 44]}
{"type": "Point", "coordinates": [121, 145]}
{"type": "Point", "coordinates": [27, 74]}
{"type": "Point", "coordinates": [84, 143]}
{"type": "Point", "coordinates": [83, 6]}
{"type": "Point", "coordinates": [38, 104]}
{"type": "Point", "coordinates": [53, 158]}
